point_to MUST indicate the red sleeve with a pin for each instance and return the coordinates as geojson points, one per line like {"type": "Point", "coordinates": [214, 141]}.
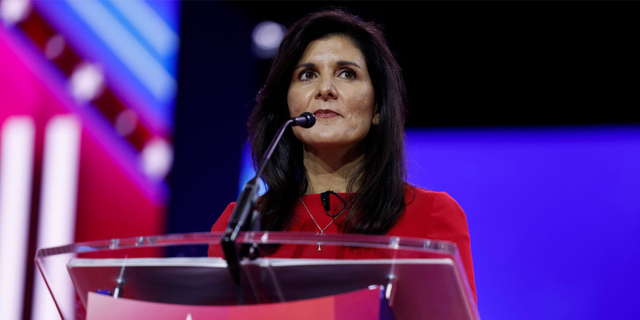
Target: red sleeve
{"type": "Point", "coordinates": [449, 222]}
{"type": "Point", "coordinates": [219, 226]}
{"type": "Point", "coordinates": [437, 216]}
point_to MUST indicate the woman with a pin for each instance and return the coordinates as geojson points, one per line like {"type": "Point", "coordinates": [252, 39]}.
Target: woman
{"type": "Point", "coordinates": [347, 172]}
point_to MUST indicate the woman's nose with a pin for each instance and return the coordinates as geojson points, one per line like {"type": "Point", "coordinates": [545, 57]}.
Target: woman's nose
{"type": "Point", "coordinates": [326, 89]}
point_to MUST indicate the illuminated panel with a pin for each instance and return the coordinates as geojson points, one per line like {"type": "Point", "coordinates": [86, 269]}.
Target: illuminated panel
{"type": "Point", "coordinates": [126, 48]}
{"type": "Point", "coordinates": [123, 147]}
{"type": "Point", "coordinates": [16, 170]}
{"type": "Point", "coordinates": [34, 86]}
{"type": "Point", "coordinates": [135, 43]}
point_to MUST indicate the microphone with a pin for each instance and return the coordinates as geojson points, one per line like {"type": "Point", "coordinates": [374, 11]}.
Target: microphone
{"type": "Point", "coordinates": [243, 212]}
{"type": "Point", "coordinates": [238, 217]}
{"type": "Point", "coordinates": [305, 120]}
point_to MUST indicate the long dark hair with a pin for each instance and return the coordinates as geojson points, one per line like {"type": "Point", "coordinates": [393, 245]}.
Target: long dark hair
{"type": "Point", "coordinates": [380, 178]}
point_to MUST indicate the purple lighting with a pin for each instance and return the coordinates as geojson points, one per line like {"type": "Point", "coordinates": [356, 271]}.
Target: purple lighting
{"type": "Point", "coordinates": [553, 215]}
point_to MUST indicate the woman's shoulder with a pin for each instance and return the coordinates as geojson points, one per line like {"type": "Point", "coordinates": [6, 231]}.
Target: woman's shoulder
{"type": "Point", "coordinates": [431, 209]}
{"type": "Point", "coordinates": [419, 196]}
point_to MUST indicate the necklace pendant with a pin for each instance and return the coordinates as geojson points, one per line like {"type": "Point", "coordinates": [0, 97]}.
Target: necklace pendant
{"type": "Point", "coordinates": [321, 233]}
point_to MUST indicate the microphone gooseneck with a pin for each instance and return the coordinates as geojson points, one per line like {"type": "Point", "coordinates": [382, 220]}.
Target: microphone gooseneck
{"type": "Point", "coordinates": [243, 212]}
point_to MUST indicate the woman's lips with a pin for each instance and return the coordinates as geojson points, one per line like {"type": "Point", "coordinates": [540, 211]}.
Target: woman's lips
{"type": "Point", "coordinates": [325, 113]}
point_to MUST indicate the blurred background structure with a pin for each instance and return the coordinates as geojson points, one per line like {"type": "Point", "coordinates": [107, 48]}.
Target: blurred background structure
{"type": "Point", "coordinates": [127, 118]}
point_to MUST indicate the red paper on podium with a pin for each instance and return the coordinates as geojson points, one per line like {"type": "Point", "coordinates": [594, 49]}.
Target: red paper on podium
{"type": "Point", "coordinates": [362, 304]}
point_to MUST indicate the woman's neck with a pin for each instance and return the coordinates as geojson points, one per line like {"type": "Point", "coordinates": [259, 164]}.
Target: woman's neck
{"type": "Point", "coordinates": [330, 169]}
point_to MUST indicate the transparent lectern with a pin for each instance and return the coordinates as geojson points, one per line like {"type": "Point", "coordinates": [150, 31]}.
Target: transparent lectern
{"type": "Point", "coordinates": [417, 278]}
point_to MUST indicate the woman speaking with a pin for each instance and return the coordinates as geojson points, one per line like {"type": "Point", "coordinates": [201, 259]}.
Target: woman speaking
{"type": "Point", "coordinates": [346, 173]}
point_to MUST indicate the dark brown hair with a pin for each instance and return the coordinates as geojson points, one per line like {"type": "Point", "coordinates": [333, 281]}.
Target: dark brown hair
{"type": "Point", "coordinates": [380, 178]}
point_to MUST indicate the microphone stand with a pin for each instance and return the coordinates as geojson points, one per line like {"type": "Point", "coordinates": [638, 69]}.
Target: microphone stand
{"type": "Point", "coordinates": [243, 217]}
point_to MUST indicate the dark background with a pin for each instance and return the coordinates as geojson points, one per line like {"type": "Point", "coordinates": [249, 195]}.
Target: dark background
{"type": "Point", "coordinates": [485, 63]}
{"type": "Point", "coordinates": [466, 64]}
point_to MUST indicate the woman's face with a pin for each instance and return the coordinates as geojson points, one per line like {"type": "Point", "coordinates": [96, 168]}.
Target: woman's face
{"type": "Point", "coordinates": [331, 81]}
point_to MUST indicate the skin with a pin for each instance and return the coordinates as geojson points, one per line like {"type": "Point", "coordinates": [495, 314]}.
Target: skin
{"type": "Point", "coordinates": [331, 80]}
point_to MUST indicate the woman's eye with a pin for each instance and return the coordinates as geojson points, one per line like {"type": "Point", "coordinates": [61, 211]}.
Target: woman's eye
{"type": "Point", "coordinates": [306, 75]}
{"type": "Point", "coordinates": [347, 74]}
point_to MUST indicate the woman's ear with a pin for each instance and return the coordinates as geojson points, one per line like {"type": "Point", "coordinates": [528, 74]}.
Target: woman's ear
{"type": "Point", "coordinates": [376, 115]}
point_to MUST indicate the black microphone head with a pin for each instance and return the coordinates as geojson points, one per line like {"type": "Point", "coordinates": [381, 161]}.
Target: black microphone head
{"type": "Point", "coordinates": [305, 120]}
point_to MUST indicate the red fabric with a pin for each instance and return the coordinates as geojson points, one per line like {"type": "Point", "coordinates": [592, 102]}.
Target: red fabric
{"type": "Point", "coordinates": [428, 215]}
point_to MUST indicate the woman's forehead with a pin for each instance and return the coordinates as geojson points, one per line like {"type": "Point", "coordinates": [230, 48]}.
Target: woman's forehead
{"type": "Point", "coordinates": [337, 47]}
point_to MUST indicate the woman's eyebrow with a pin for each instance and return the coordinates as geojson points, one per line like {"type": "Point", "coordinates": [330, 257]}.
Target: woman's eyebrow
{"type": "Point", "coordinates": [305, 65]}
{"type": "Point", "coordinates": [348, 63]}
{"type": "Point", "coordinates": [340, 63]}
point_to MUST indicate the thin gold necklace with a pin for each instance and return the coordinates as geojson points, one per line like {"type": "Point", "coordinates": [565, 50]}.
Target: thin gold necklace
{"type": "Point", "coordinates": [317, 225]}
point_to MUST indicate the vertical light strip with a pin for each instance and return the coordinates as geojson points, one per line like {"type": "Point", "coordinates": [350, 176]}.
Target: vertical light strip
{"type": "Point", "coordinates": [16, 171]}
{"type": "Point", "coordinates": [56, 224]}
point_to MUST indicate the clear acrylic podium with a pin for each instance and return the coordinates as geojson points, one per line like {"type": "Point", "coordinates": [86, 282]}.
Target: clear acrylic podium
{"type": "Point", "coordinates": [419, 278]}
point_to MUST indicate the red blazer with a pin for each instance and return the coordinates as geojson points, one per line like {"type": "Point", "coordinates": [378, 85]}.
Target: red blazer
{"type": "Point", "coordinates": [428, 214]}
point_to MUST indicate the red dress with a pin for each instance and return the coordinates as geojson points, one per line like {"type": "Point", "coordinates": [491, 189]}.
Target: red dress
{"type": "Point", "coordinates": [428, 214]}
